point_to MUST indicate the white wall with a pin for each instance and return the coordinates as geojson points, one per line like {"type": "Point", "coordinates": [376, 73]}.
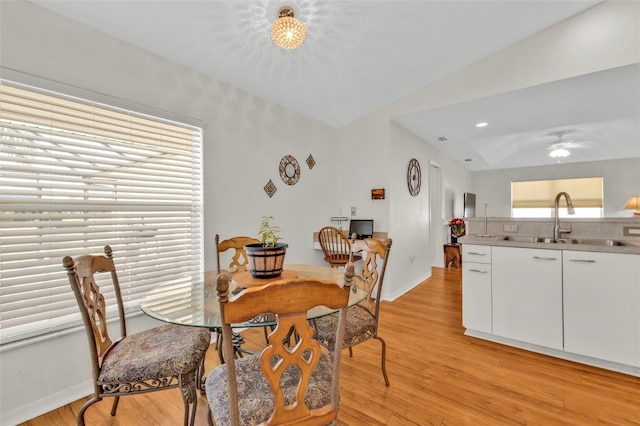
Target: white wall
{"type": "Point", "coordinates": [621, 180]}
{"type": "Point", "coordinates": [246, 137]}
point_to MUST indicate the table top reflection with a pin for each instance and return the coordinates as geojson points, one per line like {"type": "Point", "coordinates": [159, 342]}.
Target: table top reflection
{"type": "Point", "coordinates": [191, 299]}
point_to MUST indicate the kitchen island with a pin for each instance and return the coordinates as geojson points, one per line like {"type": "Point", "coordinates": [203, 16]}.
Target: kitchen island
{"type": "Point", "coordinates": [577, 299]}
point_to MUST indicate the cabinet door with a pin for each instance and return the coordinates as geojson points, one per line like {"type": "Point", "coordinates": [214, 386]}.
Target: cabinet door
{"type": "Point", "coordinates": [602, 305]}
{"type": "Point", "coordinates": [527, 295]}
{"type": "Point", "coordinates": [476, 296]}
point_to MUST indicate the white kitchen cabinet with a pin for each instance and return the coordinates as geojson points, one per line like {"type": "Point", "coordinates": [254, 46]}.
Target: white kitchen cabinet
{"type": "Point", "coordinates": [602, 305]}
{"type": "Point", "coordinates": [476, 287]}
{"type": "Point", "coordinates": [527, 295]}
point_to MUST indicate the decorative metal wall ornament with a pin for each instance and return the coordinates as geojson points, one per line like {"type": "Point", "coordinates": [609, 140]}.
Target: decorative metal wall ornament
{"type": "Point", "coordinates": [311, 161]}
{"type": "Point", "coordinates": [414, 177]}
{"type": "Point", "coordinates": [289, 170]}
{"type": "Point", "coordinates": [270, 188]}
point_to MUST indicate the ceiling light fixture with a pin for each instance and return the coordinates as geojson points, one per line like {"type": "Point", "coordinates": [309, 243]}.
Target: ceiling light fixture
{"type": "Point", "coordinates": [559, 153]}
{"type": "Point", "coordinates": [483, 124]}
{"type": "Point", "coordinates": [287, 32]}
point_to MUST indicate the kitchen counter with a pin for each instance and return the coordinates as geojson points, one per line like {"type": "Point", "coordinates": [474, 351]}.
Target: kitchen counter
{"type": "Point", "coordinates": [592, 245]}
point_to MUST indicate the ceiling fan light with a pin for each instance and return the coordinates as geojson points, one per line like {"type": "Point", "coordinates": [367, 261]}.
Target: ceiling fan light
{"type": "Point", "coordinates": [287, 32]}
{"type": "Point", "coordinates": [559, 153]}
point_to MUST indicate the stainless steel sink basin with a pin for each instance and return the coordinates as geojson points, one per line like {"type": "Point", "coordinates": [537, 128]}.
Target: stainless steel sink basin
{"type": "Point", "coordinates": [591, 241]}
{"type": "Point", "coordinates": [523, 239]}
{"type": "Point", "coordinates": [527, 239]}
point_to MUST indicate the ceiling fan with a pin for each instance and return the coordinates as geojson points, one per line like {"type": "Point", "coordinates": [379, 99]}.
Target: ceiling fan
{"type": "Point", "coordinates": [561, 148]}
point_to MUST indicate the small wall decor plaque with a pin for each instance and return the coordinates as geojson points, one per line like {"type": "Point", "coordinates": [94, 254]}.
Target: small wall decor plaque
{"type": "Point", "coordinates": [311, 161]}
{"type": "Point", "coordinates": [377, 194]}
{"type": "Point", "coordinates": [270, 188]}
{"type": "Point", "coordinates": [289, 170]}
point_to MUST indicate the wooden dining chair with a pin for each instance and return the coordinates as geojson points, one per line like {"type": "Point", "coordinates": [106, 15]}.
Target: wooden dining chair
{"type": "Point", "coordinates": [165, 357]}
{"type": "Point", "coordinates": [362, 319]}
{"type": "Point", "coordinates": [239, 260]}
{"type": "Point", "coordinates": [290, 382]}
{"type": "Point", "coordinates": [336, 247]}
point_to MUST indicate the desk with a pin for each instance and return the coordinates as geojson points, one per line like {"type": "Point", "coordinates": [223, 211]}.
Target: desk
{"type": "Point", "coordinates": [191, 300]}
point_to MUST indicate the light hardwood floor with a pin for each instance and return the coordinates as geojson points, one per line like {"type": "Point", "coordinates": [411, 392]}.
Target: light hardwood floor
{"type": "Point", "coordinates": [438, 377]}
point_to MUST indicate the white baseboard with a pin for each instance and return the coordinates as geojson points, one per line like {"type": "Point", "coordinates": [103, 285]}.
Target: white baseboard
{"type": "Point", "coordinates": [44, 405]}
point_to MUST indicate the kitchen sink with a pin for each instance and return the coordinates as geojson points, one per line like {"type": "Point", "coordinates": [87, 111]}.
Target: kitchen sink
{"type": "Point", "coordinates": [523, 239]}
{"type": "Point", "coordinates": [548, 240]}
{"type": "Point", "coordinates": [593, 242]}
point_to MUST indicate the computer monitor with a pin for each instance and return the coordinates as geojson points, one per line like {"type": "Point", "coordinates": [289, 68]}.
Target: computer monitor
{"type": "Point", "coordinates": [363, 228]}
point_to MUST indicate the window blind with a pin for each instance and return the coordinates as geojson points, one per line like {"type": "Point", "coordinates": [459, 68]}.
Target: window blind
{"type": "Point", "coordinates": [76, 176]}
{"type": "Point", "coordinates": [584, 192]}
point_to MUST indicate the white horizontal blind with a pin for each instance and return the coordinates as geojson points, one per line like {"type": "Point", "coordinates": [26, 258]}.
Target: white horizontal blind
{"type": "Point", "coordinates": [76, 176]}
{"type": "Point", "coordinates": [584, 192]}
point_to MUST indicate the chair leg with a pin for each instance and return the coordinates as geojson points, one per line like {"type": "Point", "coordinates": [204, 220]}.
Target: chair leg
{"type": "Point", "coordinates": [114, 407]}
{"type": "Point", "coordinates": [384, 359]}
{"type": "Point", "coordinates": [350, 352]}
{"type": "Point", "coordinates": [189, 396]}
{"type": "Point", "coordinates": [80, 417]}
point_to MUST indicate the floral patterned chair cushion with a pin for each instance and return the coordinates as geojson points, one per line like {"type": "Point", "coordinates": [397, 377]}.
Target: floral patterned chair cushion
{"type": "Point", "coordinates": [162, 351]}
{"type": "Point", "coordinates": [361, 325]}
{"type": "Point", "coordinates": [255, 399]}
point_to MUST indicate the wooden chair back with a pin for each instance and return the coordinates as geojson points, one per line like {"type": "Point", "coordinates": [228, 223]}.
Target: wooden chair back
{"type": "Point", "coordinates": [81, 273]}
{"type": "Point", "coordinates": [374, 251]}
{"type": "Point", "coordinates": [289, 299]}
{"type": "Point", "coordinates": [239, 260]}
{"type": "Point", "coordinates": [335, 245]}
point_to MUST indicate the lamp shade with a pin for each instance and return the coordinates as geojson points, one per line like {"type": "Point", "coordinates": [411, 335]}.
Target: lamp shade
{"type": "Point", "coordinates": [633, 203]}
{"type": "Point", "coordinates": [287, 32]}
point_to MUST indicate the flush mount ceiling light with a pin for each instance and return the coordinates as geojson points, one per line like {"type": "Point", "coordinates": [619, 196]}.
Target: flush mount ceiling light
{"type": "Point", "coordinates": [483, 124]}
{"type": "Point", "coordinates": [287, 32]}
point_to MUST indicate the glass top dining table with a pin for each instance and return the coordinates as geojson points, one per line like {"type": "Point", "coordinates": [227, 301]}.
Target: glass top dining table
{"type": "Point", "coordinates": [191, 299]}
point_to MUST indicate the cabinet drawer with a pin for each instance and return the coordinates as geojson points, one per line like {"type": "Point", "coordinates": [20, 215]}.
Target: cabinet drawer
{"type": "Point", "coordinates": [476, 253]}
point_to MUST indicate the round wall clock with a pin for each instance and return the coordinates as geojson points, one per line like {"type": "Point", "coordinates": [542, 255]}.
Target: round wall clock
{"type": "Point", "coordinates": [289, 170]}
{"type": "Point", "coordinates": [414, 177]}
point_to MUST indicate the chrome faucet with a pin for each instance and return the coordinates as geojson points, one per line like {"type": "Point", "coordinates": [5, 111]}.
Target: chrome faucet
{"type": "Point", "coordinates": [556, 227]}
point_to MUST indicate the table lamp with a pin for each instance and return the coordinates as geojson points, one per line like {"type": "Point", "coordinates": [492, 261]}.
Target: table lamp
{"type": "Point", "coordinates": [633, 203]}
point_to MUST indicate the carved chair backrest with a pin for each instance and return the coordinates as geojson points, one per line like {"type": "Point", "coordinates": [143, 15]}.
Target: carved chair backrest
{"type": "Point", "coordinates": [239, 260]}
{"type": "Point", "coordinates": [91, 301]}
{"type": "Point", "coordinates": [375, 250]}
{"type": "Point", "coordinates": [289, 299]}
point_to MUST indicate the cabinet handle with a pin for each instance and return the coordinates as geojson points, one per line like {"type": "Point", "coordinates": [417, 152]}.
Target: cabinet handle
{"type": "Point", "coordinates": [544, 258]}
{"type": "Point", "coordinates": [477, 270]}
{"type": "Point", "coordinates": [476, 253]}
{"type": "Point", "coordinates": [582, 260]}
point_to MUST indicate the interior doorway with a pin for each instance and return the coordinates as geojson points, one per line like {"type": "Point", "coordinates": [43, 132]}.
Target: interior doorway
{"type": "Point", "coordinates": [436, 216]}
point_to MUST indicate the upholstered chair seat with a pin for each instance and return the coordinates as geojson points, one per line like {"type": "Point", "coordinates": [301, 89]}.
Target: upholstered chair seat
{"type": "Point", "coordinates": [163, 351]}
{"type": "Point", "coordinates": [255, 394]}
{"type": "Point", "coordinates": [361, 326]}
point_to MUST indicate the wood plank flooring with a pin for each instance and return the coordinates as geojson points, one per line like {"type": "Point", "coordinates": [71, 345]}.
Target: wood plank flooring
{"type": "Point", "coordinates": [438, 377]}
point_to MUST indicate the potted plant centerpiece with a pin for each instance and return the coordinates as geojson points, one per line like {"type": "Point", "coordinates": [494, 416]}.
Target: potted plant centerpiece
{"type": "Point", "coordinates": [266, 259]}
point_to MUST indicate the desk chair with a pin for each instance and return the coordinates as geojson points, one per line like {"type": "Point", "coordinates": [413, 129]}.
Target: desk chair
{"type": "Point", "coordinates": [336, 247]}
{"type": "Point", "coordinates": [164, 357]}
{"type": "Point", "coordinates": [362, 319]}
{"type": "Point", "coordinates": [288, 383]}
